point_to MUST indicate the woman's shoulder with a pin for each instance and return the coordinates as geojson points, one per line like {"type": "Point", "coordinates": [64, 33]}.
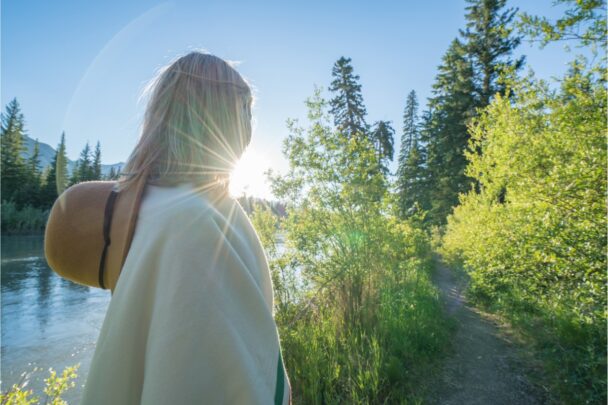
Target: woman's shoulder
{"type": "Point", "coordinates": [202, 223]}
{"type": "Point", "coordinates": [186, 205]}
{"type": "Point", "coordinates": [183, 200]}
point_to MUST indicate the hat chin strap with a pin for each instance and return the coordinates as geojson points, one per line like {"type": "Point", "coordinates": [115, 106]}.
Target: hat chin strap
{"type": "Point", "coordinates": [107, 223]}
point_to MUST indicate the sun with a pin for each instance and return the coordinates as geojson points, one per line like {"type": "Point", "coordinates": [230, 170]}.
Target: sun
{"type": "Point", "coordinates": [248, 175]}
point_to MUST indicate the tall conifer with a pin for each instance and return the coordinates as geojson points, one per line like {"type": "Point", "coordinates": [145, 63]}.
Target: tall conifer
{"type": "Point", "coordinates": [467, 80]}
{"type": "Point", "coordinates": [347, 104]}
{"type": "Point", "coordinates": [57, 176]}
{"type": "Point", "coordinates": [85, 165]}
{"type": "Point", "coordinates": [382, 136]}
{"type": "Point", "coordinates": [490, 42]}
{"type": "Point", "coordinates": [97, 162]}
{"type": "Point", "coordinates": [451, 107]}
{"type": "Point", "coordinates": [410, 125]}
{"type": "Point", "coordinates": [411, 170]}
{"type": "Point", "coordinates": [12, 133]}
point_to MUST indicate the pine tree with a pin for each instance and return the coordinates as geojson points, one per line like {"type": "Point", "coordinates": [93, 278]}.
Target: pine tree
{"type": "Point", "coordinates": [466, 82]}
{"type": "Point", "coordinates": [85, 168]}
{"type": "Point", "coordinates": [12, 133]}
{"type": "Point", "coordinates": [410, 126]}
{"type": "Point", "coordinates": [347, 105]}
{"type": "Point", "coordinates": [451, 107]}
{"type": "Point", "coordinates": [97, 162]}
{"type": "Point", "coordinates": [56, 179]}
{"type": "Point", "coordinates": [382, 136]}
{"type": "Point", "coordinates": [411, 174]}
{"type": "Point", "coordinates": [413, 182]}
{"type": "Point", "coordinates": [31, 190]}
{"type": "Point", "coordinates": [34, 160]}
{"type": "Point", "coordinates": [61, 165]}
{"type": "Point", "coordinates": [490, 42]}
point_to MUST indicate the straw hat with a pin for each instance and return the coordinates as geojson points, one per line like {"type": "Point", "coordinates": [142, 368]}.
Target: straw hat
{"type": "Point", "coordinates": [89, 231]}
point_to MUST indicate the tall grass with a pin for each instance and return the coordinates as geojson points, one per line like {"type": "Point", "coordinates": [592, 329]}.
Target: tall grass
{"type": "Point", "coordinates": [369, 337]}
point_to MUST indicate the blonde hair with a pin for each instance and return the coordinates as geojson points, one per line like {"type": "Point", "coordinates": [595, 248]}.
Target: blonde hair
{"type": "Point", "coordinates": [196, 125]}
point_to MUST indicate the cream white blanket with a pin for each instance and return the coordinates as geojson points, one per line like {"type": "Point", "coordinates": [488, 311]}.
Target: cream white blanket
{"type": "Point", "coordinates": [191, 318]}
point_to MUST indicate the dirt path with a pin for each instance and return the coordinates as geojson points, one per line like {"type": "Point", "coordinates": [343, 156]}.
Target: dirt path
{"type": "Point", "coordinates": [484, 367]}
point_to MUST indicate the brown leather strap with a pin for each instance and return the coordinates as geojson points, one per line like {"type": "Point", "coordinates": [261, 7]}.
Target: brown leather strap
{"type": "Point", "coordinates": [107, 223]}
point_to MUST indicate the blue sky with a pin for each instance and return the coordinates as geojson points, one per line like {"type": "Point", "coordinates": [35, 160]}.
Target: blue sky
{"type": "Point", "coordinates": [80, 66]}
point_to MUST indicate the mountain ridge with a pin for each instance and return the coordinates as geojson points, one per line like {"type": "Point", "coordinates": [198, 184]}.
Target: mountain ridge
{"type": "Point", "coordinates": [47, 153]}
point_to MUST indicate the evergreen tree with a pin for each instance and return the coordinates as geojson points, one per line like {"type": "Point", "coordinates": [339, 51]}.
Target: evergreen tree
{"type": "Point", "coordinates": [445, 129]}
{"type": "Point", "coordinates": [30, 191]}
{"type": "Point", "coordinates": [34, 160]}
{"type": "Point", "coordinates": [467, 81]}
{"type": "Point", "coordinates": [61, 165]}
{"type": "Point", "coordinates": [412, 182]}
{"type": "Point", "coordinates": [84, 169]}
{"type": "Point", "coordinates": [382, 136]}
{"type": "Point", "coordinates": [411, 174]}
{"type": "Point", "coordinates": [347, 105]}
{"type": "Point", "coordinates": [97, 163]}
{"type": "Point", "coordinates": [410, 125]}
{"type": "Point", "coordinates": [12, 131]}
{"type": "Point", "coordinates": [56, 179]}
{"type": "Point", "coordinates": [74, 176]}
{"type": "Point", "coordinates": [490, 42]}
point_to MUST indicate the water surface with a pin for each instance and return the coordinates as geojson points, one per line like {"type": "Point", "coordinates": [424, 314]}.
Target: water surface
{"type": "Point", "coordinates": [47, 321]}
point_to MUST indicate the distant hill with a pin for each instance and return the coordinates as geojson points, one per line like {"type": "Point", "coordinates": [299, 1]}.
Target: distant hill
{"type": "Point", "coordinates": [47, 153]}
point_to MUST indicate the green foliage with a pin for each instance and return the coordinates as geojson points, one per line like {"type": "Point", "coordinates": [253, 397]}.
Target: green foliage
{"type": "Point", "coordinates": [84, 169]}
{"type": "Point", "coordinates": [55, 386]}
{"type": "Point", "coordinates": [34, 161]}
{"type": "Point", "coordinates": [411, 172]}
{"type": "Point", "coordinates": [533, 238]}
{"type": "Point", "coordinates": [22, 219]}
{"type": "Point", "coordinates": [56, 179]}
{"type": "Point", "coordinates": [382, 137]}
{"type": "Point", "coordinates": [444, 132]}
{"type": "Point", "coordinates": [410, 125]}
{"type": "Point", "coordinates": [467, 80]}
{"type": "Point", "coordinates": [12, 131]}
{"type": "Point", "coordinates": [96, 165]}
{"type": "Point", "coordinates": [28, 189]}
{"type": "Point", "coordinates": [88, 166]}
{"type": "Point", "coordinates": [584, 22]}
{"type": "Point", "coordinates": [21, 178]}
{"type": "Point", "coordinates": [349, 114]}
{"type": "Point", "coordinates": [358, 317]}
{"type": "Point", "coordinates": [347, 105]}
{"type": "Point", "coordinates": [490, 40]}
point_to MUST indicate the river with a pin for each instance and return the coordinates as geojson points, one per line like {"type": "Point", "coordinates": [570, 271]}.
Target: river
{"type": "Point", "coordinates": [47, 321]}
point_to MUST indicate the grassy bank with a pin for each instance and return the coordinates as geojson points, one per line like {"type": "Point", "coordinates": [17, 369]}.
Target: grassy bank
{"type": "Point", "coordinates": [373, 336]}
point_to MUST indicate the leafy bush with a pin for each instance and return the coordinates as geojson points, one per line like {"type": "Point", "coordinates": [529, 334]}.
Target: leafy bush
{"type": "Point", "coordinates": [55, 386]}
{"type": "Point", "coordinates": [533, 239]}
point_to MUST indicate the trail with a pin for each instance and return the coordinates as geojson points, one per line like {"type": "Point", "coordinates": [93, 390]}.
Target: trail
{"type": "Point", "coordinates": [485, 367]}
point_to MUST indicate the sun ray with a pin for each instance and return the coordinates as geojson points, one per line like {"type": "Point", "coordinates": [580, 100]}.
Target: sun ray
{"type": "Point", "coordinates": [248, 176]}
